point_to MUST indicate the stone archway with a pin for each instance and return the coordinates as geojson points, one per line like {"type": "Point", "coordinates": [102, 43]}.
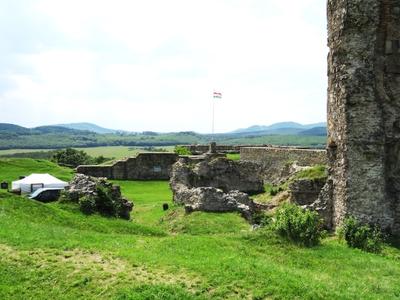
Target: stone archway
{"type": "Point", "coordinates": [364, 111]}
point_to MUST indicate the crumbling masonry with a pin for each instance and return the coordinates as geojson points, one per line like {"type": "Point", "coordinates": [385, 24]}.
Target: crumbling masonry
{"type": "Point", "coordinates": [364, 111]}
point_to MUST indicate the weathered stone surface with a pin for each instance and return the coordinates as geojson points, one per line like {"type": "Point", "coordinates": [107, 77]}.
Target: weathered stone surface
{"type": "Point", "coordinates": [221, 173]}
{"type": "Point", "coordinates": [83, 185]}
{"type": "Point", "coordinates": [201, 149]}
{"type": "Point", "coordinates": [214, 184]}
{"type": "Point", "coordinates": [288, 171]}
{"type": "Point", "coordinates": [145, 166]}
{"type": "Point", "coordinates": [364, 111]}
{"type": "Point", "coordinates": [323, 205]}
{"type": "Point", "coordinates": [215, 200]}
{"type": "Point", "coordinates": [306, 191]}
{"type": "Point", "coordinates": [275, 160]}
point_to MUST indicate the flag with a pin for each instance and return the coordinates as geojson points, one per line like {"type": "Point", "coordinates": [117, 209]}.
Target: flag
{"type": "Point", "coordinates": [217, 95]}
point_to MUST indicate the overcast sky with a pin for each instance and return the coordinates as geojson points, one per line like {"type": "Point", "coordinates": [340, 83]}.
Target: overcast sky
{"type": "Point", "coordinates": [154, 64]}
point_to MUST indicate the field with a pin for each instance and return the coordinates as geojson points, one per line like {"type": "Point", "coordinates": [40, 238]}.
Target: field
{"type": "Point", "coordinates": [52, 251]}
{"type": "Point", "coordinates": [107, 151]}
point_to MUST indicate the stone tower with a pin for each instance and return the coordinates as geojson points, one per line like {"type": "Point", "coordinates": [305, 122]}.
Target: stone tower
{"type": "Point", "coordinates": [364, 111]}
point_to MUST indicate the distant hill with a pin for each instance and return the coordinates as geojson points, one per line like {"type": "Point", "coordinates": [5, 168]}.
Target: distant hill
{"type": "Point", "coordinates": [88, 127]}
{"type": "Point", "coordinates": [54, 137]}
{"type": "Point", "coordinates": [55, 129]}
{"type": "Point", "coordinates": [277, 128]}
{"type": "Point", "coordinates": [316, 131]}
{"type": "Point", "coordinates": [11, 128]}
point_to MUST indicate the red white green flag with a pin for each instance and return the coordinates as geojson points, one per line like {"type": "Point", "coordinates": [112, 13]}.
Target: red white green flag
{"type": "Point", "coordinates": [217, 95]}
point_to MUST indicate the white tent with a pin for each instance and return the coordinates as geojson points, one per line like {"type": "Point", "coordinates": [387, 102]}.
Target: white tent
{"type": "Point", "coordinates": [36, 181]}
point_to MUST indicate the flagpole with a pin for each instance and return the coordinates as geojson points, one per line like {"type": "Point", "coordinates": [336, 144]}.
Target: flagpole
{"type": "Point", "coordinates": [213, 117]}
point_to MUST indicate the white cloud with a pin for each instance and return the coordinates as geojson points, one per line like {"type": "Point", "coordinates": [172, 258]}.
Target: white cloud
{"type": "Point", "coordinates": [152, 65]}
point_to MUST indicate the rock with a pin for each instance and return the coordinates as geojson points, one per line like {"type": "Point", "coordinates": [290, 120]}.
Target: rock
{"type": "Point", "coordinates": [220, 173]}
{"type": "Point", "coordinates": [364, 111]}
{"type": "Point", "coordinates": [323, 205]}
{"type": "Point", "coordinates": [215, 200]}
{"type": "Point", "coordinates": [86, 188]}
{"type": "Point", "coordinates": [216, 185]}
{"type": "Point", "coordinates": [306, 191]}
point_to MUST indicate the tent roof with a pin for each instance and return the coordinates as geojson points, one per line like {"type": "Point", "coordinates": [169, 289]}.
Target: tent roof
{"type": "Point", "coordinates": [40, 178]}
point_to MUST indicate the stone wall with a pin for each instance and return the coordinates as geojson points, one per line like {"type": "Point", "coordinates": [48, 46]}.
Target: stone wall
{"type": "Point", "coordinates": [274, 159]}
{"type": "Point", "coordinates": [145, 166]}
{"type": "Point", "coordinates": [364, 111]}
{"type": "Point", "coordinates": [306, 191]}
{"type": "Point", "coordinates": [201, 149]}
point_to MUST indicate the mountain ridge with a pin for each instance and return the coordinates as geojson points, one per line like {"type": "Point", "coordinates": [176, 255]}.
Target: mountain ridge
{"type": "Point", "coordinates": [86, 126]}
{"type": "Point", "coordinates": [279, 125]}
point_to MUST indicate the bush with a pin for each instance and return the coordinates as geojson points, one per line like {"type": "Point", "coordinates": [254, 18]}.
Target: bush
{"type": "Point", "coordinates": [73, 158]}
{"type": "Point", "coordinates": [298, 225]}
{"type": "Point", "coordinates": [362, 236]}
{"type": "Point", "coordinates": [181, 150]}
{"type": "Point", "coordinates": [87, 205]}
{"type": "Point", "coordinates": [261, 219]}
{"type": "Point", "coordinates": [274, 191]}
{"type": "Point", "coordinates": [105, 204]}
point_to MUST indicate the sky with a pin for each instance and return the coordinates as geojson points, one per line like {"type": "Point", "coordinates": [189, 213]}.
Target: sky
{"type": "Point", "coordinates": [142, 65]}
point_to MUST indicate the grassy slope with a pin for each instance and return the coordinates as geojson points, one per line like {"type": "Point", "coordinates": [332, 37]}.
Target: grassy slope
{"type": "Point", "coordinates": [50, 251]}
{"type": "Point", "coordinates": [12, 168]}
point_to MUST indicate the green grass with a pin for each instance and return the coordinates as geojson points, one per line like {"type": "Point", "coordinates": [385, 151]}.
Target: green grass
{"type": "Point", "coordinates": [12, 168]}
{"type": "Point", "coordinates": [315, 172]}
{"type": "Point", "coordinates": [117, 152]}
{"type": "Point", "coordinates": [235, 156]}
{"type": "Point", "coordinates": [270, 191]}
{"type": "Point", "coordinates": [111, 151]}
{"type": "Point", "coordinates": [52, 251]}
{"type": "Point", "coordinates": [15, 151]}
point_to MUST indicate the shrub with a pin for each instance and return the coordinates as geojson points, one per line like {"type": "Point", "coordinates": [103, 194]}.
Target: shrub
{"type": "Point", "coordinates": [105, 203]}
{"type": "Point", "coordinates": [274, 191]}
{"type": "Point", "coordinates": [362, 236]}
{"type": "Point", "coordinates": [261, 219]}
{"type": "Point", "coordinates": [87, 205]}
{"type": "Point", "coordinates": [71, 157]}
{"type": "Point", "coordinates": [298, 225]}
{"type": "Point", "coordinates": [181, 150]}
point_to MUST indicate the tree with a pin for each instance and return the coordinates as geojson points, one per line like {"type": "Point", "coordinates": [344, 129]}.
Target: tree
{"type": "Point", "coordinates": [71, 157]}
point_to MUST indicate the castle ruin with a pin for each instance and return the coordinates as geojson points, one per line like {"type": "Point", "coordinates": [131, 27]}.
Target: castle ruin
{"type": "Point", "coordinates": [364, 111]}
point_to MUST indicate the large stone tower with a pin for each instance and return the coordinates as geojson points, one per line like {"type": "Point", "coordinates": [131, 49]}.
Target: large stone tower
{"type": "Point", "coordinates": [364, 110]}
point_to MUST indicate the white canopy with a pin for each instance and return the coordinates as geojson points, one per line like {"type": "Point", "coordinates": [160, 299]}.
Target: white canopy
{"type": "Point", "coordinates": [36, 181]}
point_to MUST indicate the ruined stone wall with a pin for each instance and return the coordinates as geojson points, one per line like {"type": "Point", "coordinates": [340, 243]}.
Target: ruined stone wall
{"type": "Point", "coordinates": [201, 149]}
{"type": "Point", "coordinates": [364, 110]}
{"type": "Point", "coordinates": [95, 170]}
{"type": "Point", "coordinates": [274, 159]}
{"type": "Point", "coordinates": [145, 166]}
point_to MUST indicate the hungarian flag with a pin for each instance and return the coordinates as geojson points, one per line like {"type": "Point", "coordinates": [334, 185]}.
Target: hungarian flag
{"type": "Point", "coordinates": [217, 95]}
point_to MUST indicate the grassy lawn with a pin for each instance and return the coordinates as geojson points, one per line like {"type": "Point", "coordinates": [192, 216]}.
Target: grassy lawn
{"type": "Point", "coordinates": [118, 151]}
{"type": "Point", "coordinates": [52, 251]}
{"type": "Point", "coordinates": [14, 151]}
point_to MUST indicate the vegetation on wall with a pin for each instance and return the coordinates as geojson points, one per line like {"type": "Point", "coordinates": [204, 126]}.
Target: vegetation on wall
{"type": "Point", "coordinates": [180, 150]}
